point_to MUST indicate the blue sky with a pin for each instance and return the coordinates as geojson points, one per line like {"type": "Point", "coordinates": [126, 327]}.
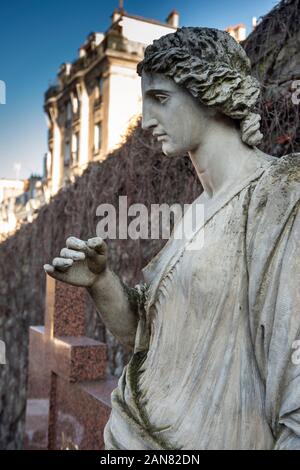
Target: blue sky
{"type": "Point", "coordinates": [36, 36]}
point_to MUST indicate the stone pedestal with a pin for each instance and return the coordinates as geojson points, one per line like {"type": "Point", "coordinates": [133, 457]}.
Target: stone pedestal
{"type": "Point", "coordinates": [68, 399]}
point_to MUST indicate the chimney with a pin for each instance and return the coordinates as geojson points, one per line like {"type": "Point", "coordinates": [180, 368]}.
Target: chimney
{"type": "Point", "coordinates": [254, 22]}
{"type": "Point", "coordinates": [116, 15]}
{"type": "Point", "coordinates": [173, 19]}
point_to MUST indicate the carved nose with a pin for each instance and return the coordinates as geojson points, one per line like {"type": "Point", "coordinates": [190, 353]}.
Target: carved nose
{"type": "Point", "coordinates": [148, 124]}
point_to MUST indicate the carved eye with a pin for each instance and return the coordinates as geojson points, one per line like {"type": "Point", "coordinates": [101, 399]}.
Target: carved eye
{"type": "Point", "coordinates": [161, 98]}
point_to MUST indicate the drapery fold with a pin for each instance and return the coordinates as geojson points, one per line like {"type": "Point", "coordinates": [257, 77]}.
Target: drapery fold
{"type": "Point", "coordinates": [274, 294]}
{"type": "Point", "coordinates": [212, 367]}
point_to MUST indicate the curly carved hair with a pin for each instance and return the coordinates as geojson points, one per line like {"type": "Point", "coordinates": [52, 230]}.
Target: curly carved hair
{"type": "Point", "coordinates": [214, 68]}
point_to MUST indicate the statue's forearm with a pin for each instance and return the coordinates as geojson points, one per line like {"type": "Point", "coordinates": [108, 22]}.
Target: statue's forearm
{"type": "Point", "coordinates": [117, 306]}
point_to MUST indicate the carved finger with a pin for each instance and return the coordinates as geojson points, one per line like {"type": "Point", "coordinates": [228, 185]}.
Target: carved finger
{"type": "Point", "coordinates": [76, 244]}
{"type": "Point", "coordinates": [62, 264]}
{"type": "Point", "coordinates": [97, 244]}
{"type": "Point", "coordinates": [52, 272]}
{"type": "Point", "coordinates": [72, 254]}
{"type": "Point", "coordinates": [49, 269]}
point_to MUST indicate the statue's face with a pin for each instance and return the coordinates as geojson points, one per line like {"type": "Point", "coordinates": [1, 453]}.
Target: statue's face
{"type": "Point", "coordinates": [177, 119]}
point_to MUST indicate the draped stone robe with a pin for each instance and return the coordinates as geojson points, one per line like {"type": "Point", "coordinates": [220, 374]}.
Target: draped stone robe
{"type": "Point", "coordinates": [213, 363]}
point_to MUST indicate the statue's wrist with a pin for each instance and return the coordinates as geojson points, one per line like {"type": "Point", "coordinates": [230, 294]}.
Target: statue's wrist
{"type": "Point", "coordinates": [99, 281]}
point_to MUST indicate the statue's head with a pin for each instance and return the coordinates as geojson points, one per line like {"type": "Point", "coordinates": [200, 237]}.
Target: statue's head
{"type": "Point", "coordinates": [213, 71]}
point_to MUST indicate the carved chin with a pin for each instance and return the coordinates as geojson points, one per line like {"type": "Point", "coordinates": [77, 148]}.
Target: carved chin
{"type": "Point", "coordinates": [169, 150]}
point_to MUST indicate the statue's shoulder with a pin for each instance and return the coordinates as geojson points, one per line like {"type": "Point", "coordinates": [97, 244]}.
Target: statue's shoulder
{"type": "Point", "coordinates": [286, 168]}
{"type": "Point", "coordinates": [282, 177]}
{"type": "Point", "coordinates": [277, 192]}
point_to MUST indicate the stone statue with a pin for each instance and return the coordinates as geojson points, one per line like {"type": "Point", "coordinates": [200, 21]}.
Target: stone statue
{"type": "Point", "coordinates": [213, 331]}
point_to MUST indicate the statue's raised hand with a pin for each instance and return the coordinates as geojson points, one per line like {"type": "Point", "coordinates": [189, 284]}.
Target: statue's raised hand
{"type": "Point", "coordinates": [80, 263]}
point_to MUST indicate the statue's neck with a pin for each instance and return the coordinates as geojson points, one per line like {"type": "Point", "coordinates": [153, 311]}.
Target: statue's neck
{"type": "Point", "coordinates": [222, 159]}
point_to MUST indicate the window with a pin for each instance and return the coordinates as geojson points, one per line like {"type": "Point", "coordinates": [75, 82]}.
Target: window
{"type": "Point", "coordinates": [75, 148]}
{"type": "Point", "coordinates": [97, 137]}
{"type": "Point", "coordinates": [100, 84]}
{"type": "Point", "coordinates": [68, 113]}
{"type": "Point", "coordinates": [99, 89]}
{"type": "Point", "coordinates": [69, 110]}
{"type": "Point", "coordinates": [67, 153]}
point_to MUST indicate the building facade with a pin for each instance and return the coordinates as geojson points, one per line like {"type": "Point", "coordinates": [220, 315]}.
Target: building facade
{"type": "Point", "coordinates": [238, 31]}
{"type": "Point", "coordinates": [20, 201]}
{"type": "Point", "coordinates": [96, 97]}
{"type": "Point", "coordinates": [10, 189]}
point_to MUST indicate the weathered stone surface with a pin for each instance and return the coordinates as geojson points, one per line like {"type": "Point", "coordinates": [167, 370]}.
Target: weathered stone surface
{"type": "Point", "coordinates": [22, 283]}
{"type": "Point", "coordinates": [73, 211]}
